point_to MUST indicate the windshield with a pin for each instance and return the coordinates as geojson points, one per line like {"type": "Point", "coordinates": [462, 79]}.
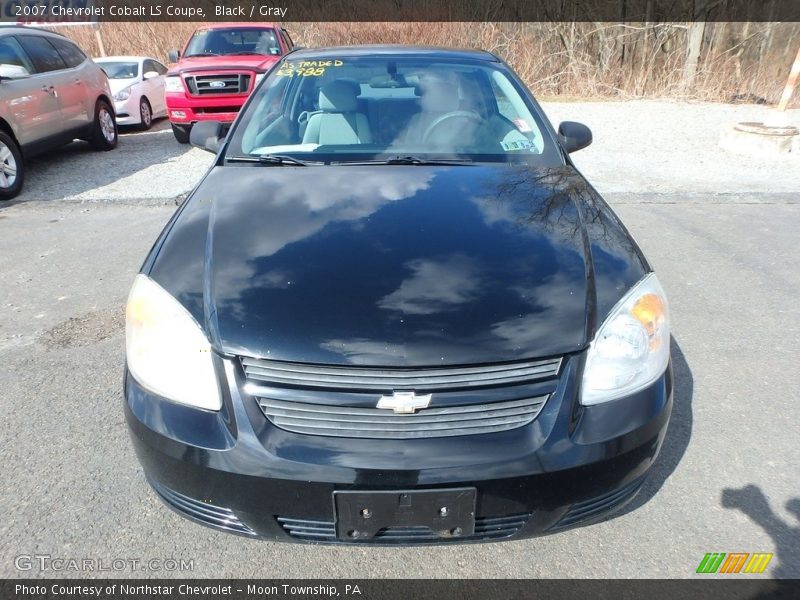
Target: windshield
{"type": "Point", "coordinates": [120, 70]}
{"type": "Point", "coordinates": [353, 109]}
{"type": "Point", "coordinates": [235, 40]}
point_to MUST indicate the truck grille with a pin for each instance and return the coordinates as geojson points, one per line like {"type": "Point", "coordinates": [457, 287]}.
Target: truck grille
{"type": "Point", "coordinates": [223, 83]}
{"type": "Point", "coordinates": [344, 421]}
{"type": "Point", "coordinates": [378, 379]}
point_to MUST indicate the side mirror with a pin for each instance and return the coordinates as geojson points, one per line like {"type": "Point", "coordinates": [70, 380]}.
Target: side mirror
{"type": "Point", "coordinates": [574, 136]}
{"type": "Point", "coordinates": [173, 55]}
{"type": "Point", "coordinates": [13, 72]}
{"type": "Point", "coordinates": [150, 75]}
{"type": "Point", "coordinates": [207, 135]}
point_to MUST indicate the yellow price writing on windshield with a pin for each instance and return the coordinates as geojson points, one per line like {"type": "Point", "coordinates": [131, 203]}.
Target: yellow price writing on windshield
{"type": "Point", "coordinates": [307, 68]}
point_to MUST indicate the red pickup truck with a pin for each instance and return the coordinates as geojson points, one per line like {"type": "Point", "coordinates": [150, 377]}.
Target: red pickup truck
{"type": "Point", "coordinates": [218, 68]}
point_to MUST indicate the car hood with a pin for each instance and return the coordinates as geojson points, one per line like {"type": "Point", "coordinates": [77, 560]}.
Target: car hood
{"type": "Point", "coordinates": [396, 265]}
{"type": "Point", "coordinates": [258, 62]}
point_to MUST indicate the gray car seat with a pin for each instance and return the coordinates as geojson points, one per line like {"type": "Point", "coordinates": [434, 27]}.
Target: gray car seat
{"type": "Point", "coordinates": [438, 97]}
{"type": "Point", "coordinates": [338, 121]}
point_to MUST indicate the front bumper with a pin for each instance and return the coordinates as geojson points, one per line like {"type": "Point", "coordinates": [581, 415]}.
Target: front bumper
{"type": "Point", "coordinates": [183, 109]}
{"type": "Point", "coordinates": [128, 111]}
{"type": "Point", "coordinates": [234, 470]}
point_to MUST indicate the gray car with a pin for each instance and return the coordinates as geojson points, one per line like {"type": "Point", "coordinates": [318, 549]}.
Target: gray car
{"type": "Point", "coordinates": [51, 93]}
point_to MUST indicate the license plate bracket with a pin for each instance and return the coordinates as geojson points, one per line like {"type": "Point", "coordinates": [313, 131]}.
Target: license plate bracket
{"type": "Point", "coordinates": [360, 515]}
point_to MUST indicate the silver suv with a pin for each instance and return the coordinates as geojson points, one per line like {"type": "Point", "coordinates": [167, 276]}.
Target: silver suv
{"type": "Point", "coordinates": [50, 94]}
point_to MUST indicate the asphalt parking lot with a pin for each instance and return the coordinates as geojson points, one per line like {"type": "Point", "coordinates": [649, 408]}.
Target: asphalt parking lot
{"type": "Point", "coordinates": [721, 231]}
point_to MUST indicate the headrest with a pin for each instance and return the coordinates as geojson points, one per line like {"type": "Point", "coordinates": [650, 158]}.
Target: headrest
{"type": "Point", "coordinates": [339, 96]}
{"type": "Point", "coordinates": [438, 94]}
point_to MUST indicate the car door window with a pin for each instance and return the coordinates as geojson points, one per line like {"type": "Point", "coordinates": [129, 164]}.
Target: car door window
{"type": "Point", "coordinates": [11, 53]}
{"type": "Point", "coordinates": [72, 55]}
{"type": "Point", "coordinates": [147, 66]}
{"type": "Point", "coordinates": [44, 55]}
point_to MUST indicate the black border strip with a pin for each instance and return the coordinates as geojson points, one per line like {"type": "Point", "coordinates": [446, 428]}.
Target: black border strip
{"type": "Point", "coordinates": [739, 587]}
{"type": "Point", "coordinates": [400, 10]}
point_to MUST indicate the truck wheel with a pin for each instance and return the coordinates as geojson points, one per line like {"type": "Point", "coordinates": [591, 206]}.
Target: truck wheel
{"type": "Point", "coordinates": [104, 130]}
{"type": "Point", "coordinates": [181, 133]}
{"type": "Point", "coordinates": [12, 169]}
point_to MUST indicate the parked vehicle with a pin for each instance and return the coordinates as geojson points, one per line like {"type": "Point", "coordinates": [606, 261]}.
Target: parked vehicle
{"type": "Point", "coordinates": [394, 312]}
{"type": "Point", "coordinates": [50, 94]}
{"type": "Point", "coordinates": [218, 68]}
{"type": "Point", "coordinates": [137, 83]}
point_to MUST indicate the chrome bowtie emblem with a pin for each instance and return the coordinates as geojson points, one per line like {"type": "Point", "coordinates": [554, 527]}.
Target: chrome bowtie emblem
{"type": "Point", "coordinates": [217, 84]}
{"type": "Point", "coordinates": [404, 403]}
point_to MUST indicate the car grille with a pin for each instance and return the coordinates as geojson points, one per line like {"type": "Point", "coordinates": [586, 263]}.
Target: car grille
{"type": "Point", "coordinates": [340, 401]}
{"type": "Point", "coordinates": [202, 85]}
{"type": "Point", "coordinates": [599, 507]}
{"type": "Point", "coordinates": [377, 379]}
{"type": "Point", "coordinates": [343, 421]}
{"type": "Point", "coordinates": [486, 528]}
{"type": "Point", "coordinates": [207, 514]}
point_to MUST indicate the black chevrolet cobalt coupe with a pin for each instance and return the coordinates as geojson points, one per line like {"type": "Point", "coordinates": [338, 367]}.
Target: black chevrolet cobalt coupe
{"type": "Point", "coordinates": [393, 312]}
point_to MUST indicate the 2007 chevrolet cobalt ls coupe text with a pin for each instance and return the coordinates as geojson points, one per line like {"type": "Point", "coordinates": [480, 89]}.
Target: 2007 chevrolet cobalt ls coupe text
{"type": "Point", "coordinates": [394, 312]}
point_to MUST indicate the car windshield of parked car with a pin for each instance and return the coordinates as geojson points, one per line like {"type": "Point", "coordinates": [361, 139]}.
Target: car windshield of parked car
{"type": "Point", "coordinates": [120, 70]}
{"type": "Point", "coordinates": [349, 109]}
{"type": "Point", "coordinates": [232, 41]}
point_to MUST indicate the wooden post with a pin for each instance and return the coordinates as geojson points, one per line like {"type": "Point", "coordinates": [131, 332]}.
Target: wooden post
{"type": "Point", "coordinates": [791, 83]}
{"type": "Point", "coordinates": [99, 39]}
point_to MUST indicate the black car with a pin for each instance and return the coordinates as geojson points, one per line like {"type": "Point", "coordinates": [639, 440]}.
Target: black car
{"type": "Point", "coordinates": [394, 312]}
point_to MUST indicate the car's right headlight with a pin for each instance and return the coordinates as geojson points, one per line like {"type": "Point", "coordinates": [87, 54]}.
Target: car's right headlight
{"type": "Point", "coordinates": [167, 351]}
{"type": "Point", "coordinates": [123, 94]}
{"type": "Point", "coordinates": [173, 84]}
{"type": "Point", "coordinates": [631, 349]}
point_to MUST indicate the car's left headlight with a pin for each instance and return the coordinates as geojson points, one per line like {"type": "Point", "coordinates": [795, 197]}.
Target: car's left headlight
{"type": "Point", "coordinates": [166, 350]}
{"type": "Point", "coordinates": [123, 94]}
{"type": "Point", "coordinates": [631, 349]}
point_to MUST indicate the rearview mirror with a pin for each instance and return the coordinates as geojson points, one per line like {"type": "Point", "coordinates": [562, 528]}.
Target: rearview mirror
{"type": "Point", "coordinates": [574, 136]}
{"type": "Point", "coordinates": [173, 55]}
{"type": "Point", "coordinates": [13, 72]}
{"type": "Point", "coordinates": [150, 75]}
{"type": "Point", "coordinates": [207, 135]}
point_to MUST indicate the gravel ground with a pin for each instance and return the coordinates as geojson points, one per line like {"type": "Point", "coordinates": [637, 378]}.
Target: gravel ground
{"type": "Point", "coordinates": [725, 247]}
{"type": "Point", "coordinates": [672, 148]}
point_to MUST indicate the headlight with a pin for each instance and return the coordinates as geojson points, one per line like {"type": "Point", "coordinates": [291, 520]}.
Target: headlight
{"type": "Point", "coordinates": [258, 78]}
{"type": "Point", "coordinates": [123, 94]}
{"type": "Point", "coordinates": [173, 84]}
{"type": "Point", "coordinates": [631, 349]}
{"type": "Point", "coordinates": [167, 352]}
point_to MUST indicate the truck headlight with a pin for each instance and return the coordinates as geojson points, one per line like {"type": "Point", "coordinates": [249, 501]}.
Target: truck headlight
{"type": "Point", "coordinates": [173, 84]}
{"type": "Point", "coordinates": [166, 350]}
{"type": "Point", "coordinates": [631, 349]}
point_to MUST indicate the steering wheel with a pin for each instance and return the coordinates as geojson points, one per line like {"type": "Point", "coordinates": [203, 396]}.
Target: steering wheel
{"type": "Point", "coordinates": [456, 114]}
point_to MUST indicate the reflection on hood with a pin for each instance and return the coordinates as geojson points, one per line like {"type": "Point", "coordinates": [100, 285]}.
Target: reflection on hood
{"type": "Point", "coordinates": [393, 265]}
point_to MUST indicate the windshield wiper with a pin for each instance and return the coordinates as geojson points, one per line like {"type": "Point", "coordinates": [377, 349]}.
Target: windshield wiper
{"type": "Point", "coordinates": [408, 160]}
{"type": "Point", "coordinates": [200, 54]}
{"type": "Point", "coordinates": [245, 53]}
{"type": "Point", "coordinates": [277, 160]}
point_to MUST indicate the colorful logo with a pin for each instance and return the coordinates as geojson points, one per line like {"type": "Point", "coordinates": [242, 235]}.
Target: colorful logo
{"type": "Point", "coordinates": [734, 562]}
